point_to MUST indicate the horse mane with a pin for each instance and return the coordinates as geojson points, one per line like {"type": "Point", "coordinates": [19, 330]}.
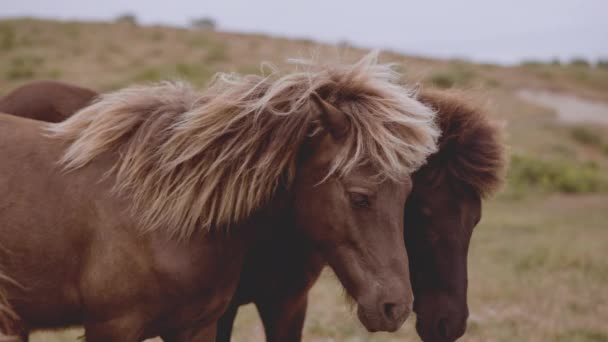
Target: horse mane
{"type": "Point", "coordinates": [205, 160]}
{"type": "Point", "coordinates": [8, 317]}
{"type": "Point", "coordinates": [471, 148]}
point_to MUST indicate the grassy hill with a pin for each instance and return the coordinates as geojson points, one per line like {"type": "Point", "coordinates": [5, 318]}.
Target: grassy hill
{"type": "Point", "coordinates": [538, 262]}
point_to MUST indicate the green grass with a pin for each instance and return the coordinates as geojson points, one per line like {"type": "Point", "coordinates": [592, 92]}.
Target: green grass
{"type": "Point", "coordinates": [590, 137]}
{"type": "Point", "coordinates": [24, 67]}
{"type": "Point", "coordinates": [555, 175]}
{"type": "Point", "coordinates": [454, 76]}
{"type": "Point", "coordinates": [8, 39]}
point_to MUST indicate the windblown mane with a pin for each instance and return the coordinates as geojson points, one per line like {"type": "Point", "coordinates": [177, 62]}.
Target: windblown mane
{"type": "Point", "coordinates": [205, 160]}
{"type": "Point", "coordinates": [471, 149]}
{"type": "Point", "coordinates": [7, 315]}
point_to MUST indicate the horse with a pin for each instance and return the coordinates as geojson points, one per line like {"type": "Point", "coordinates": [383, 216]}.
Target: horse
{"type": "Point", "coordinates": [443, 208]}
{"type": "Point", "coordinates": [441, 211]}
{"type": "Point", "coordinates": [44, 100]}
{"type": "Point", "coordinates": [134, 216]}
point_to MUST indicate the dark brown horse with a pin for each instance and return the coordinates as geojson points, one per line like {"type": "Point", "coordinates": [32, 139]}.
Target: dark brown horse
{"type": "Point", "coordinates": [131, 240]}
{"type": "Point", "coordinates": [49, 101]}
{"type": "Point", "coordinates": [443, 208]}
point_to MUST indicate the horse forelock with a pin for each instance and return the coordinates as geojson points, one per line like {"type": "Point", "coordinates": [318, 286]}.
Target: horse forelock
{"type": "Point", "coordinates": [204, 160]}
{"type": "Point", "coordinates": [471, 148]}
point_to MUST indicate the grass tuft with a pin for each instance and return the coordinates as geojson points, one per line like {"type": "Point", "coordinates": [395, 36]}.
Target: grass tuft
{"type": "Point", "coordinates": [555, 175]}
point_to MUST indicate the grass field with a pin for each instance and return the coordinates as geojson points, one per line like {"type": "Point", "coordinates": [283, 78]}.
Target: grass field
{"type": "Point", "coordinates": [539, 258]}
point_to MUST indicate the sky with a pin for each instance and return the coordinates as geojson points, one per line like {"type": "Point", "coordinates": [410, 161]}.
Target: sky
{"type": "Point", "coordinates": [492, 31]}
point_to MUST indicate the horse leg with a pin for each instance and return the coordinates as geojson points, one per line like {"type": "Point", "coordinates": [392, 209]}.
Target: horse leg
{"type": "Point", "coordinates": [283, 318]}
{"type": "Point", "coordinates": [15, 331]}
{"type": "Point", "coordinates": [116, 330]}
{"type": "Point", "coordinates": [23, 337]}
{"type": "Point", "coordinates": [196, 334]}
{"type": "Point", "coordinates": [225, 323]}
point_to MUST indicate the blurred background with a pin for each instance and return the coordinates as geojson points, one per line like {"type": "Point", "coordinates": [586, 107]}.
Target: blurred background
{"type": "Point", "coordinates": [538, 262]}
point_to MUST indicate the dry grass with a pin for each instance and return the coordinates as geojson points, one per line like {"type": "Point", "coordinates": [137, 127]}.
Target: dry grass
{"type": "Point", "coordinates": [538, 261]}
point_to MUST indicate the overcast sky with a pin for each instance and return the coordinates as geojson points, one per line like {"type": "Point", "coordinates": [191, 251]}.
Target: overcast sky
{"type": "Point", "coordinates": [482, 30]}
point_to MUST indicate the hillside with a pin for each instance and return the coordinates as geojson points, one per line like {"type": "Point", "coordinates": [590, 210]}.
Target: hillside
{"type": "Point", "coordinates": [537, 264]}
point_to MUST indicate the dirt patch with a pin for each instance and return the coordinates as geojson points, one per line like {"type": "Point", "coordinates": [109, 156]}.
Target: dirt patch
{"type": "Point", "coordinates": [570, 109]}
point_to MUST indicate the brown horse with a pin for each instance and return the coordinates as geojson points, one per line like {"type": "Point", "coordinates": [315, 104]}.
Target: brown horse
{"type": "Point", "coordinates": [444, 206]}
{"type": "Point", "coordinates": [49, 101]}
{"type": "Point", "coordinates": [441, 212]}
{"type": "Point", "coordinates": [146, 230]}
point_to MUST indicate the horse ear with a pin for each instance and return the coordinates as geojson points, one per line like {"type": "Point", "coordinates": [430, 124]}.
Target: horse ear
{"type": "Point", "coordinates": [332, 119]}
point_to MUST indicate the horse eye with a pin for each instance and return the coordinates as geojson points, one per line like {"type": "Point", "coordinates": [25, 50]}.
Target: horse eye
{"type": "Point", "coordinates": [426, 211]}
{"type": "Point", "coordinates": [359, 200]}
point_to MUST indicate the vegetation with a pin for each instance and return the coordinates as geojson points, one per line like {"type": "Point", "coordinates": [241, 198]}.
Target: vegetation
{"type": "Point", "coordinates": [204, 23]}
{"type": "Point", "coordinates": [7, 37]}
{"type": "Point", "coordinates": [580, 62]}
{"type": "Point", "coordinates": [455, 75]}
{"type": "Point", "coordinates": [555, 175]}
{"type": "Point", "coordinates": [127, 18]}
{"type": "Point", "coordinates": [590, 137]}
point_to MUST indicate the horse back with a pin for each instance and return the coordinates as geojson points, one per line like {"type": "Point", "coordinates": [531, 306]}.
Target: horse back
{"type": "Point", "coordinates": [49, 101]}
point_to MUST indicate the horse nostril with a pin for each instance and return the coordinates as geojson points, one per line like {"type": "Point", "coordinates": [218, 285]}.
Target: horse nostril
{"type": "Point", "coordinates": [443, 328]}
{"type": "Point", "coordinates": [394, 311]}
{"type": "Point", "coordinates": [388, 310]}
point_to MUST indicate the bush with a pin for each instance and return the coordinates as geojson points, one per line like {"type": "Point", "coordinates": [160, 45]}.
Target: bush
{"type": "Point", "coordinates": [127, 18]}
{"type": "Point", "coordinates": [528, 172]}
{"type": "Point", "coordinates": [580, 62]}
{"type": "Point", "coordinates": [204, 23]}
{"type": "Point", "coordinates": [531, 63]}
{"type": "Point", "coordinates": [8, 38]}
{"type": "Point", "coordinates": [456, 76]}
{"type": "Point", "coordinates": [23, 67]}
{"type": "Point", "coordinates": [586, 136]}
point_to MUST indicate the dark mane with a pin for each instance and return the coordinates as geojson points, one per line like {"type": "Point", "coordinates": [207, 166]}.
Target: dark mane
{"type": "Point", "coordinates": [471, 149]}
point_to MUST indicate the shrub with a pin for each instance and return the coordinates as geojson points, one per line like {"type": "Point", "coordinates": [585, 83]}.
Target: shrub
{"type": "Point", "coordinates": [148, 75]}
{"type": "Point", "coordinates": [455, 76]}
{"type": "Point", "coordinates": [216, 53]}
{"type": "Point", "coordinates": [23, 67]}
{"type": "Point", "coordinates": [586, 136]}
{"type": "Point", "coordinates": [442, 80]}
{"type": "Point", "coordinates": [7, 37]}
{"type": "Point", "coordinates": [204, 23]}
{"type": "Point", "coordinates": [531, 63]}
{"type": "Point", "coordinates": [127, 18]}
{"type": "Point", "coordinates": [528, 172]}
{"type": "Point", "coordinates": [579, 62]}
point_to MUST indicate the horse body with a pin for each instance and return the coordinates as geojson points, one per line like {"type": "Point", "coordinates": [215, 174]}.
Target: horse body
{"type": "Point", "coordinates": [50, 101]}
{"type": "Point", "coordinates": [72, 252]}
{"type": "Point", "coordinates": [440, 214]}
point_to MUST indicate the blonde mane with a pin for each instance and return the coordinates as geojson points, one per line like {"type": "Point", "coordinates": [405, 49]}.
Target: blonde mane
{"type": "Point", "coordinates": [206, 160]}
{"type": "Point", "coordinates": [8, 317]}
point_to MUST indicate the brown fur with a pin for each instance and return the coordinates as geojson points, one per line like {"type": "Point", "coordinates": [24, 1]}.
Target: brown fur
{"type": "Point", "coordinates": [49, 101]}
